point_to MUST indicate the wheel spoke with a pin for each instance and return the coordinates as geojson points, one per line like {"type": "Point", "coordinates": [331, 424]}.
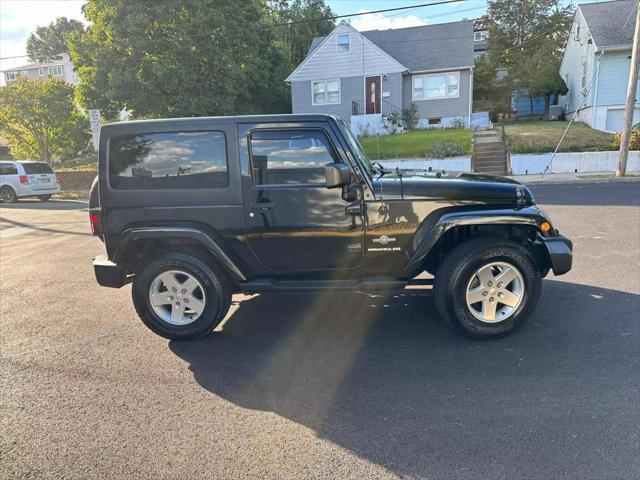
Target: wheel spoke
{"type": "Point", "coordinates": [509, 298]}
{"type": "Point", "coordinates": [190, 284]}
{"type": "Point", "coordinates": [475, 295]}
{"type": "Point", "coordinates": [196, 305]}
{"type": "Point", "coordinates": [177, 313]}
{"type": "Point", "coordinates": [158, 299]}
{"type": "Point", "coordinates": [489, 311]}
{"type": "Point", "coordinates": [169, 280]}
{"type": "Point", "coordinates": [485, 276]}
{"type": "Point", "coordinates": [507, 276]}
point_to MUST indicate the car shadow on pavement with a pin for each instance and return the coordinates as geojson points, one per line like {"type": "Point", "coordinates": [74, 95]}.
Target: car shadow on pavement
{"type": "Point", "coordinates": [386, 379]}
{"type": "Point", "coordinates": [31, 226]}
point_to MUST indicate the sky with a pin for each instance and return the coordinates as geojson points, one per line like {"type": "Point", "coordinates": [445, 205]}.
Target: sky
{"type": "Point", "coordinates": [18, 18]}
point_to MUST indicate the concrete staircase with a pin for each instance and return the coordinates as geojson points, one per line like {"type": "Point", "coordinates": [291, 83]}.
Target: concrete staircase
{"type": "Point", "coordinates": [489, 153]}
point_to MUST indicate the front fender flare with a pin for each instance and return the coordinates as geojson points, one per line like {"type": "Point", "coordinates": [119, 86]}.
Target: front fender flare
{"type": "Point", "coordinates": [194, 234]}
{"type": "Point", "coordinates": [425, 241]}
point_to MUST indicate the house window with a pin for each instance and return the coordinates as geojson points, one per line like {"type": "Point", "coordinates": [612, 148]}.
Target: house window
{"type": "Point", "coordinates": [440, 85]}
{"type": "Point", "coordinates": [41, 72]}
{"type": "Point", "coordinates": [435, 121]}
{"type": "Point", "coordinates": [10, 76]}
{"type": "Point", "coordinates": [480, 35]}
{"type": "Point", "coordinates": [344, 43]}
{"type": "Point", "coordinates": [584, 74]}
{"type": "Point", "coordinates": [578, 32]}
{"type": "Point", "coordinates": [325, 92]}
{"type": "Point", "coordinates": [55, 71]}
{"type": "Point", "coordinates": [24, 73]}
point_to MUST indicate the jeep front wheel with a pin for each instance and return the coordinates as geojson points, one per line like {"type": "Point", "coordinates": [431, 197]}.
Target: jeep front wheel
{"type": "Point", "coordinates": [487, 287]}
{"type": "Point", "coordinates": [180, 297]}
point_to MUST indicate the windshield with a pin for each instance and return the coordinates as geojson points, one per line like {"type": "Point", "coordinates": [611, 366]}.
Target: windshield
{"type": "Point", "coordinates": [355, 146]}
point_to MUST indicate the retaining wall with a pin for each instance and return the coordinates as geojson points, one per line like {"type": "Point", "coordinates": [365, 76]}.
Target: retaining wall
{"type": "Point", "coordinates": [572, 162]}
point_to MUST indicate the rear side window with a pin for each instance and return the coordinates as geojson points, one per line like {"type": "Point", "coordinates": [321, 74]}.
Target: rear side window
{"type": "Point", "coordinates": [168, 160]}
{"type": "Point", "coordinates": [285, 157]}
{"type": "Point", "coordinates": [34, 168]}
{"type": "Point", "coordinates": [8, 169]}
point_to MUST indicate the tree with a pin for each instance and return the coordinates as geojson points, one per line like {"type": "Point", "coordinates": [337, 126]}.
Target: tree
{"type": "Point", "coordinates": [48, 42]}
{"type": "Point", "coordinates": [188, 57]}
{"type": "Point", "coordinates": [546, 83]}
{"type": "Point", "coordinates": [525, 36]}
{"type": "Point", "coordinates": [40, 120]}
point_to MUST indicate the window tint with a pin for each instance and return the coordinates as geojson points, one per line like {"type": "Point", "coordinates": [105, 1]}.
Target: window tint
{"type": "Point", "coordinates": [31, 168]}
{"type": "Point", "coordinates": [168, 160]}
{"type": "Point", "coordinates": [289, 157]}
{"type": "Point", "coordinates": [8, 169]}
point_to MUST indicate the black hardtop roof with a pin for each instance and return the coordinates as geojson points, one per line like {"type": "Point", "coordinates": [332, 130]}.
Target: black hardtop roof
{"type": "Point", "coordinates": [194, 121]}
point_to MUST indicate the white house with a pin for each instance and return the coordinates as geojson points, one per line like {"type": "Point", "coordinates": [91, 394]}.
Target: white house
{"type": "Point", "coordinates": [62, 69]}
{"type": "Point", "coordinates": [596, 63]}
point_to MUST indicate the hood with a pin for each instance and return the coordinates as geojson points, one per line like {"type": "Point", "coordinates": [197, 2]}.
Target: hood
{"type": "Point", "coordinates": [451, 186]}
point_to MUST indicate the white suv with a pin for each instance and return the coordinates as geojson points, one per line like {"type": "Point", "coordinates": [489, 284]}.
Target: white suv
{"type": "Point", "coordinates": [26, 179]}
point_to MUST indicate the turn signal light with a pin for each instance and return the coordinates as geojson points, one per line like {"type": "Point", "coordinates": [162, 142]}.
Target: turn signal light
{"type": "Point", "coordinates": [545, 227]}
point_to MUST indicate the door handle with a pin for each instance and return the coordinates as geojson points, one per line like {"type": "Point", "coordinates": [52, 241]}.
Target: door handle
{"type": "Point", "coordinates": [264, 206]}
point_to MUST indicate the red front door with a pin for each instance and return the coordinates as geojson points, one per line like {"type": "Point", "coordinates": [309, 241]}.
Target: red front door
{"type": "Point", "coordinates": [372, 94]}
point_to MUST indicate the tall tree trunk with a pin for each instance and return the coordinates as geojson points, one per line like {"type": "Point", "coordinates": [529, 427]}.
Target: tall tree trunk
{"type": "Point", "coordinates": [547, 102]}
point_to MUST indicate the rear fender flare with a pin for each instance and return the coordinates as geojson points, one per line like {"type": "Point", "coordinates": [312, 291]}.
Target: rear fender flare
{"type": "Point", "coordinates": [430, 236]}
{"type": "Point", "coordinates": [200, 237]}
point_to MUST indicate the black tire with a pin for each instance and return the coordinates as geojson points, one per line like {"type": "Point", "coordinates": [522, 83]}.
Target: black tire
{"type": "Point", "coordinates": [8, 195]}
{"type": "Point", "coordinates": [215, 283]}
{"type": "Point", "coordinates": [44, 198]}
{"type": "Point", "coordinates": [456, 272]}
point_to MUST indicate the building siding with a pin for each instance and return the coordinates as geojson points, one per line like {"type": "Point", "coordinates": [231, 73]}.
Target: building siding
{"type": "Point", "coordinates": [365, 58]}
{"type": "Point", "coordinates": [351, 90]}
{"type": "Point", "coordinates": [440, 108]}
{"type": "Point", "coordinates": [577, 52]}
{"type": "Point", "coordinates": [613, 79]}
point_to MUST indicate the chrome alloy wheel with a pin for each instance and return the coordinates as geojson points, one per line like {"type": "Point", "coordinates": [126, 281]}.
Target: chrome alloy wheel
{"type": "Point", "coordinates": [494, 292]}
{"type": "Point", "coordinates": [177, 297]}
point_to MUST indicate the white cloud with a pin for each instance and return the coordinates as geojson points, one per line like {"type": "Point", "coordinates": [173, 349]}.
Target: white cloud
{"type": "Point", "coordinates": [18, 18]}
{"type": "Point", "coordinates": [377, 21]}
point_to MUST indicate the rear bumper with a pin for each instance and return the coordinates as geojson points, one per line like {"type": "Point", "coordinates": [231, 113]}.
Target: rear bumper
{"type": "Point", "coordinates": [108, 274]}
{"type": "Point", "coordinates": [560, 250]}
{"type": "Point", "coordinates": [28, 191]}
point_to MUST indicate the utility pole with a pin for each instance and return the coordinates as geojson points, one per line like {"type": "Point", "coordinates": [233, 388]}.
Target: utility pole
{"type": "Point", "coordinates": [631, 100]}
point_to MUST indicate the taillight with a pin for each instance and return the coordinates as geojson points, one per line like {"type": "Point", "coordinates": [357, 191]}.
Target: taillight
{"type": "Point", "coordinates": [57, 179]}
{"type": "Point", "coordinates": [24, 180]}
{"type": "Point", "coordinates": [94, 219]}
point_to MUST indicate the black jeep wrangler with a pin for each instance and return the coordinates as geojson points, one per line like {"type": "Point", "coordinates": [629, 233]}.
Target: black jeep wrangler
{"type": "Point", "coordinates": [192, 210]}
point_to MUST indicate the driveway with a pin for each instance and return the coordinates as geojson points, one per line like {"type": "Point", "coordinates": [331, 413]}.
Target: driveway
{"type": "Point", "coordinates": [319, 386]}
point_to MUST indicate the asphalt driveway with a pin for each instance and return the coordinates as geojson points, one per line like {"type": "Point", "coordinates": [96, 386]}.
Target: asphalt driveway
{"type": "Point", "coordinates": [318, 386]}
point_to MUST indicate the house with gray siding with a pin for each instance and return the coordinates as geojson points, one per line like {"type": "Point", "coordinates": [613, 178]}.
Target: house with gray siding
{"type": "Point", "coordinates": [60, 68]}
{"type": "Point", "coordinates": [381, 72]}
{"type": "Point", "coordinates": [596, 63]}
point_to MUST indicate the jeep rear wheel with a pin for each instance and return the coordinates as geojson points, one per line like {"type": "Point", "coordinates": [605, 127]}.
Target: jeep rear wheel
{"type": "Point", "coordinates": [486, 287]}
{"type": "Point", "coordinates": [179, 296]}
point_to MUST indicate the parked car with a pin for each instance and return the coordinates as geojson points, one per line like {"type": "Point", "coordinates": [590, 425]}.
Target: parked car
{"type": "Point", "coordinates": [26, 179]}
{"type": "Point", "coordinates": [193, 210]}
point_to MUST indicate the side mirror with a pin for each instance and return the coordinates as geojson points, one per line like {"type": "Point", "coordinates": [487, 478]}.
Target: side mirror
{"type": "Point", "coordinates": [337, 174]}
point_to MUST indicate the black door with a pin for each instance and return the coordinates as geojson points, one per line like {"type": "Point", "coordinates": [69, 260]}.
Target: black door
{"type": "Point", "coordinates": [293, 221]}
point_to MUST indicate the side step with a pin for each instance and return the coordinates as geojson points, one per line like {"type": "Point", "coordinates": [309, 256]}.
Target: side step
{"type": "Point", "coordinates": [261, 285]}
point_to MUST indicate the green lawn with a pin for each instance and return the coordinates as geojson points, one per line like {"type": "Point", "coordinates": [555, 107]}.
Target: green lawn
{"type": "Point", "coordinates": [543, 136]}
{"type": "Point", "coordinates": [415, 143]}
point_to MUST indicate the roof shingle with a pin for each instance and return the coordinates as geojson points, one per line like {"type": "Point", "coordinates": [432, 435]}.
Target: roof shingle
{"type": "Point", "coordinates": [611, 23]}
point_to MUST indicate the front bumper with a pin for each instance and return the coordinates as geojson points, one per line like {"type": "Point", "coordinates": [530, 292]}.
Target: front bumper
{"type": "Point", "coordinates": [108, 274]}
{"type": "Point", "coordinates": [560, 250]}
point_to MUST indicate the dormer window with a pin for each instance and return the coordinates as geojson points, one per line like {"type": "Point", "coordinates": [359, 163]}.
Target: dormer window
{"type": "Point", "coordinates": [343, 41]}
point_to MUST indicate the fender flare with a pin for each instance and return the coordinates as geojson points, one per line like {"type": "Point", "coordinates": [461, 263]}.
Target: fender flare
{"type": "Point", "coordinates": [198, 236]}
{"type": "Point", "coordinates": [531, 217]}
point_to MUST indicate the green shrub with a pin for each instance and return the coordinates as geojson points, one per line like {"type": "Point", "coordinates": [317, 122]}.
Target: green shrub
{"type": "Point", "coordinates": [444, 149]}
{"type": "Point", "coordinates": [411, 117]}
